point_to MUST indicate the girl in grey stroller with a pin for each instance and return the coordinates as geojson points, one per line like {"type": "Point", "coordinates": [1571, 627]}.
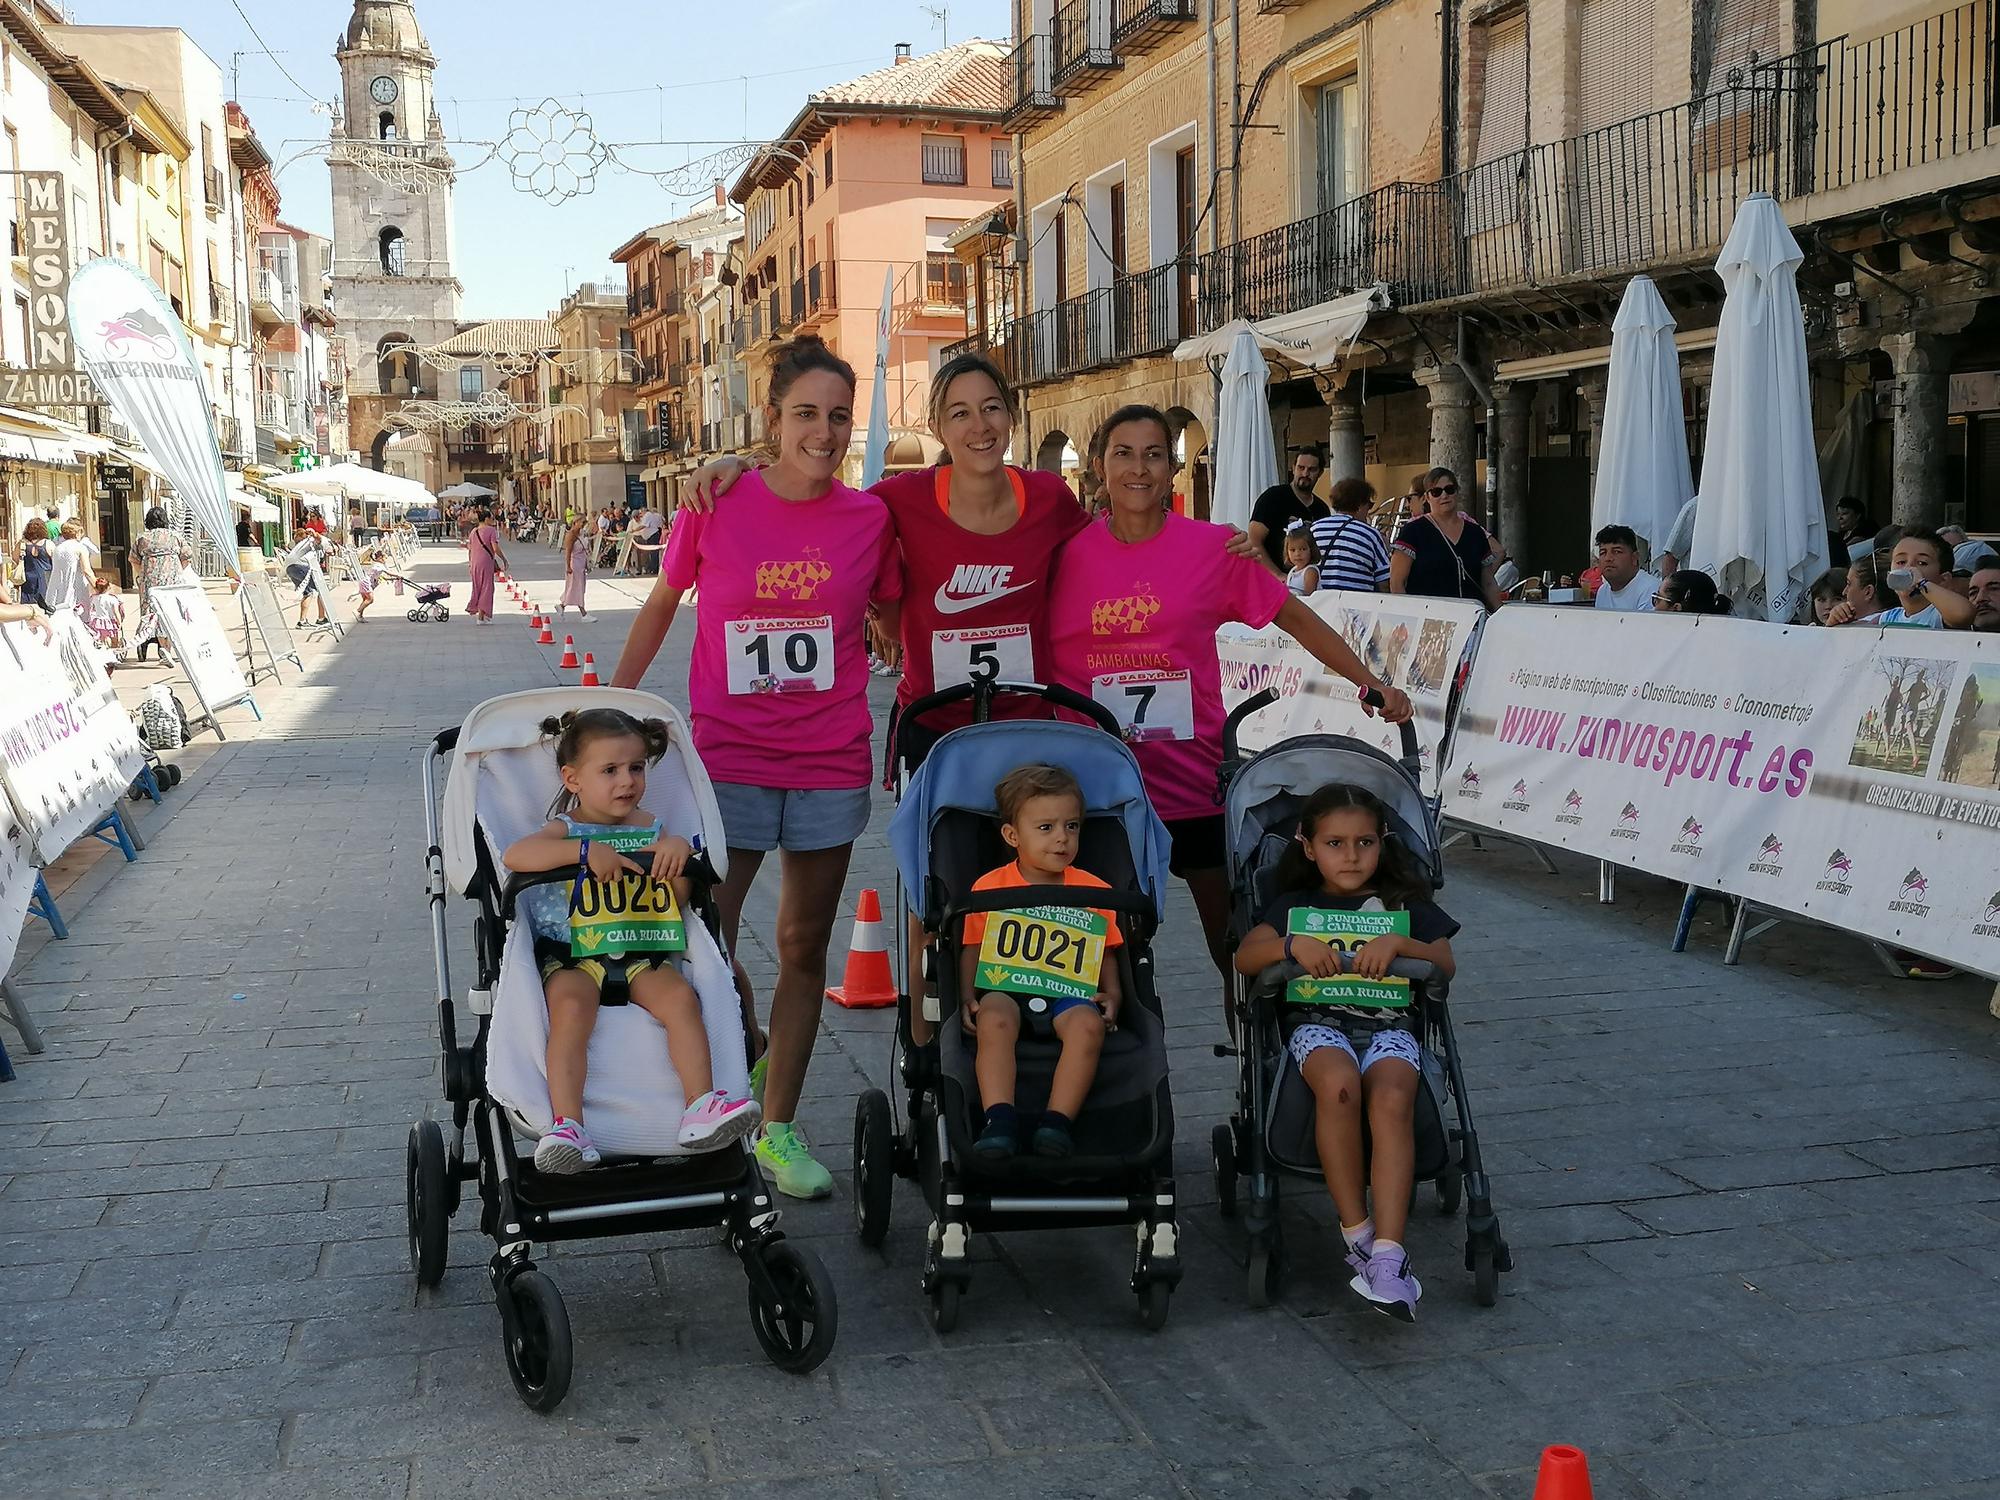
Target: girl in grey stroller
{"type": "Point", "coordinates": [946, 836]}
{"type": "Point", "coordinates": [500, 780]}
{"type": "Point", "coordinates": [1388, 1011]}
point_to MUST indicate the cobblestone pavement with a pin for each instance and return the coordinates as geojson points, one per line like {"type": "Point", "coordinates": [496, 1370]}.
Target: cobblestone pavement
{"type": "Point", "coordinates": [1754, 1210]}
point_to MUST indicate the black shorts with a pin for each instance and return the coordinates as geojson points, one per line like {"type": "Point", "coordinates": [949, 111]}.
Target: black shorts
{"type": "Point", "coordinates": [1196, 844]}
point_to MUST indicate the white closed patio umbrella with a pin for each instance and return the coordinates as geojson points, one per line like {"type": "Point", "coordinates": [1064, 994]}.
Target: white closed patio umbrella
{"type": "Point", "coordinates": [1643, 478]}
{"type": "Point", "coordinates": [465, 489]}
{"type": "Point", "coordinates": [1246, 457]}
{"type": "Point", "coordinates": [1760, 530]}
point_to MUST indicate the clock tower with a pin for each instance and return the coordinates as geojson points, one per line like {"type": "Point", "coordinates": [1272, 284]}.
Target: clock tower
{"type": "Point", "coordinates": [393, 284]}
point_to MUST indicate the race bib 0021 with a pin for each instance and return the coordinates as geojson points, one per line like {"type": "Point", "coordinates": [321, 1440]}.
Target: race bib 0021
{"type": "Point", "coordinates": [1042, 950]}
{"type": "Point", "coordinates": [1148, 705]}
{"type": "Point", "coordinates": [1347, 932]}
{"type": "Point", "coordinates": [785, 655]}
{"type": "Point", "coordinates": [633, 914]}
{"type": "Point", "coordinates": [990, 653]}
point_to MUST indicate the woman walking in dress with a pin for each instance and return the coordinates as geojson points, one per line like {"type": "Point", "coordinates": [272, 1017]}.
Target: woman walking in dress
{"type": "Point", "coordinates": [576, 568]}
{"type": "Point", "coordinates": [485, 558]}
{"type": "Point", "coordinates": [160, 556]}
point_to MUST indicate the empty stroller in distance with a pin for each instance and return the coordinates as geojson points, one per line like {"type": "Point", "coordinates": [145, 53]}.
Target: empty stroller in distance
{"type": "Point", "coordinates": [945, 835]}
{"type": "Point", "coordinates": [501, 779]}
{"type": "Point", "coordinates": [430, 603]}
{"type": "Point", "coordinates": [1271, 1131]}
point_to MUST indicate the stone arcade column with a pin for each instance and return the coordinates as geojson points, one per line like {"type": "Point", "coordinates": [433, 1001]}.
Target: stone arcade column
{"type": "Point", "coordinates": [1512, 402]}
{"type": "Point", "coordinates": [1454, 438]}
{"type": "Point", "coordinates": [1593, 386]}
{"type": "Point", "coordinates": [1922, 363]}
{"type": "Point", "coordinates": [1345, 453]}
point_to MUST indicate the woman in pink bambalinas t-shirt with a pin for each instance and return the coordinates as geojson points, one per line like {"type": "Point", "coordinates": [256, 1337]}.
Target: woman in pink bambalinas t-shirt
{"type": "Point", "coordinates": [1133, 613]}
{"type": "Point", "coordinates": [778, 697]}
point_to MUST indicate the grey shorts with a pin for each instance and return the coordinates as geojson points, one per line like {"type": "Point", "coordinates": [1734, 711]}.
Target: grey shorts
{"type": "Point", "coordinates": [1392, 1042]}
{"type": "Point", "coordinates": [768, 817]}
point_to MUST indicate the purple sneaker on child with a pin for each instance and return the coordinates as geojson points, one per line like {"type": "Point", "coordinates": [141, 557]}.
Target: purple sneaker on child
{"type": "Point", "coordinates": [1385, 1280]}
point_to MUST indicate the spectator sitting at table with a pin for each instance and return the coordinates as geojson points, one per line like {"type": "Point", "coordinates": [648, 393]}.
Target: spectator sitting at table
{"type": "Point", "coordinates": [1854, 532]}
{"type": "Point", "coordinates": [1625, 586]}
{"type": "Point", "coordinates": [1826, 593]}
{"type": "Point", "coordinates": [1965, 551]}
{"type": "Point", "coordinates": [1984, 593]}
{"type": "Point", "coordinates": [1690, 592]}
{"type": "Point", "coordinates": [1925, 604]}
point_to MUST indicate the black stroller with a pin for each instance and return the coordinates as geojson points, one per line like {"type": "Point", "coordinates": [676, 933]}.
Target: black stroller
{"type": "Point", "coordinates": [501, 778]}
{"type": "Point", "coordinates": [1270, 1133]}
{"type": "Point", "coordinates": [945, 835]}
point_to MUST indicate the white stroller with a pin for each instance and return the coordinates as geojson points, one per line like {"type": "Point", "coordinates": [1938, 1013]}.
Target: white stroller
{"type": "Point", "coordinates": [502, 778]}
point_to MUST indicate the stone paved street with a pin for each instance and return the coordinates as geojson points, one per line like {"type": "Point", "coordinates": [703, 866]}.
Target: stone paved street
{"type": "Point", "coordinates": [1754, 1210]}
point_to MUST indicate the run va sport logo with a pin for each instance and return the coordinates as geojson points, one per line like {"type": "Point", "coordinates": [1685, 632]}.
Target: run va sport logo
{"type": "Point", "coordinates": [1572, 812]}
{"type": "Point", "coordinates": [1910, 899]}
{"type": "Point", "coordinates": [1627, 826]}
{"type": "Point", "coordinates": [1517, 798]}
{"type": "Point", "coordinates": [1770, 857]}
{"type": "Point", "coordinates": [799, 579]}
{"type": "Point", "coordinates": [140, 327]}
{"type": "Point", "coordinates": [1131, 615]}
{"type": "Point", "coordinates": [1989, 925]}
{"type": "Point", "coordinates": [1468, 784]}
{"type": "Point", "coordinates": [1689, 843]}
{"type": "Point", "coordinates": [1836, 878]}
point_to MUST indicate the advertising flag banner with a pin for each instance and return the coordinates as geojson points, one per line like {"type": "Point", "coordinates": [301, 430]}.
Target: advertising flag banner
{"type": "Point", "coordinates": [132, 343]}
{"type": "Point", "coordinates": [876, 454]}
{"type": "Point", "coordinates": [1851, 777]}
{"type": "Point", "coordinates": [1412, 643]}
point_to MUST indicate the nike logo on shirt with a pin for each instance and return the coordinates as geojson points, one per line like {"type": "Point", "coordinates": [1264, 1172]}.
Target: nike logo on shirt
{"type": "Point", "coordinates": [974, 584]}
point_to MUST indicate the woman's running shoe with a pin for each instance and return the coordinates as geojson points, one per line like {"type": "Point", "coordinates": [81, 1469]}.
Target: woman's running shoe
{"type": "Point", "coordinates": [782, 1152]}
{"type": "Point", "coordinates": [566, 1148]}
{"type": "Point", "coordinates": [715, 1120]}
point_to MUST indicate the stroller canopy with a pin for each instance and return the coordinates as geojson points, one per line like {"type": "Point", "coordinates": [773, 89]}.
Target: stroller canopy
{"type": "Point", "coordinates": [495, 781]}
{"type": "Point", "coordinates": [1281, 778]}
{"type": "Point", "coordinates": [962, 770]}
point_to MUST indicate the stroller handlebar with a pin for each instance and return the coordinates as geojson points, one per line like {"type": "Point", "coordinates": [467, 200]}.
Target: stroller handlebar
{"type": "Point", "coordinates": [515, 882]}
{"type": "Point", "coordinates": [1232, 752]}
{"type": "Point", "coordinates": [982, 694]}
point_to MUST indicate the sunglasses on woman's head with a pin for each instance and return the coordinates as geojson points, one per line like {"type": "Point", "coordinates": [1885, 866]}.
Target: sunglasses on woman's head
{"type": "Point", "coordinates": [1446, 489]}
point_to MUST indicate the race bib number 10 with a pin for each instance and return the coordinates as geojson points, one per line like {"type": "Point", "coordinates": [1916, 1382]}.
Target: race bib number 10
{"type": "Point", "coordinates": [1148, 705]}
{"type": "Point", "coordinates": [633, 914]}
{"type": "Point", "coordinates": [1347, 932]}
{"type": "Point", "coordinates": [788, 655]}
{"type": "Point", "coordinates": [1042, 950]}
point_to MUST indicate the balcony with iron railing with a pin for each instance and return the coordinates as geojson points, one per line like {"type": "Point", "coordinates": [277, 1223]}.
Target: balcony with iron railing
{"type": "Point", "coordinates": [1844, 128]}
{"type": "Point", "coordinates": [1138, 315]}
{"type": "Point", "coordinates": [677, 375]}
{"type": "Point", "coordinates": [271, 299]}
{"type": "Point", "coordinates": [271, 411]}
{"type": "Point", "coordinates": [1081, 48]}
{"type": "Point", "coordinates": [673, 301]}
{"type": "Point", "coordinates": [822, 300]}
{"type": "Point", "coordinates": [1032, 64]}
{"type": "Point", "coordinates": [1138, 26]}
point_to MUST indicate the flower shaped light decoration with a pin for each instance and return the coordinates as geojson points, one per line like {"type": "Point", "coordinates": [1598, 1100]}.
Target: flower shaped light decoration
{"type": "Point", "coordinates": [552, 151]}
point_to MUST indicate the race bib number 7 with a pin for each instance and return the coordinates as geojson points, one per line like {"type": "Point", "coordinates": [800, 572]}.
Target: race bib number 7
{"type": "Point", "coordinates": [788, 655]}
{"type": "Point", "coordinates": [1347, 932]}
{"type": "Point", "coordinates": [633, 914]}
{"type": "Point", "coordinates": [1148, 705]}
{"type": "Point", "coordinates": [1042, 950]}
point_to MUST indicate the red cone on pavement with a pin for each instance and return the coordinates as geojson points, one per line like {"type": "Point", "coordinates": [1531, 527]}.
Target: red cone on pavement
{"type": "Point", "coordinates": [1565, 1474]}
{"type": "Point", "coordinates": [590, 678]}
{"type": "Point", "coordinates": [534, 620]}
{"type": "Point", "coordinates": [547, 636]}
{"type": "Point", "coordinates": [569, 652]}
{"type": "Point", "coordinates": [867, 984]}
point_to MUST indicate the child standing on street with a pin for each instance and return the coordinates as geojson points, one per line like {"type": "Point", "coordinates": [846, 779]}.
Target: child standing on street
{"type": "Point", "coordinates": [1301, 560]}
{"type": "Point", "coordinates": [367, 579]}
{"type": "Point", "coordinates": [1346, 880]}
{"type": "Point", "coordinates": [104, 614]}
{"type": "Point", "coordinates": [619, 924]}
{"type": "Point", "coordinates": [1041, 818]}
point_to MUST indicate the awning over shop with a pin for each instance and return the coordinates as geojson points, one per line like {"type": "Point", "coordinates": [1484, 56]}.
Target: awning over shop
{"type": "Point", "coordinates": [1314, 338]}
{"type": "Point", "coordinates": [258, 507]}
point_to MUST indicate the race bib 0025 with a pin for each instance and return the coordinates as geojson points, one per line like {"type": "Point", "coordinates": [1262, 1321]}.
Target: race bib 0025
{"type": "Point", "coordinates": [1148, 705]}
{"type": "Point", "coordinates": [633, 914]}
{"type": "Point", "coordinates": [1042, 950]}
{"type": "Point", "coordinates": [786, 655]}
{"type": "Point", "coordinates": [1347, 932]}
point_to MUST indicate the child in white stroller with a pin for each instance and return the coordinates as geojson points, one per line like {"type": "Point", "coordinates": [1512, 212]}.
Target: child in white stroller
{"type": "Point", "coordinates": [502, 777]}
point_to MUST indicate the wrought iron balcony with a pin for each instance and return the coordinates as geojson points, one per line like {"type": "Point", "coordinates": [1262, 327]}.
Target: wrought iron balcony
{"type": "Point", "coordinates": [1138, 26]}
{"type": "Point", "coordinates": [1035, 97]}
{"type": "Point", "coordinates": [1134, 317]}
{"type": "Point", "coordinates": [1083, 56]}
{"type": "Point", "coordinates": [822, 299]}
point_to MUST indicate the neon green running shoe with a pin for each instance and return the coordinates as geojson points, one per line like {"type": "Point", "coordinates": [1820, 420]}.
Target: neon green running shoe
{"type": "Point", "coordinates": [781, 1151]}
{"type": "Point", "coordinates": [757, 1071]}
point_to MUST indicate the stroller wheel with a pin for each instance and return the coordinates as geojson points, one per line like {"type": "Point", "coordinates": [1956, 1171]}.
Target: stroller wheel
{"type": "Point", "coordinates": [1450, 1190]}
{"type": "Point", "coordinates": [1485, 1276]}
{"type": "Point", "coordinates": [1155, 1298]}
{"type": "Point", "coordinates": [426, 1195]}
{"type": "Point", "coordinates": [944, 1305]}
{"type": "Point", "coordinates": [796, 1330]}
{"type": "Point", "coordinates": [1267, 1269]}
{"type": "Point", "coordinates": [443, 613]}
{"type": "Point", "coordinates": [1222, 1151]}
{"type": "Point", "coordinates": [534, 1326]}
{"type": "Point", "coordinates": [874, 1167]}
{"type": "Point", "coordinates": [173, 775]}
{"type": "Point", "coordinates": [415, 614]}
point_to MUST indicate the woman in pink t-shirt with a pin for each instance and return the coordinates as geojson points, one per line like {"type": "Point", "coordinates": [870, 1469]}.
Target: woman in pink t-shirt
{"type": "Point", "coordinates": [778, 698]}
{"type": "Point", "coordinates": [1132, 619]}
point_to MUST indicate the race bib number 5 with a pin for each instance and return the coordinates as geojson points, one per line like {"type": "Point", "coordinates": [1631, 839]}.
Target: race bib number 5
{"type": "Point", "coordinates": [788, 655]}
{"type": "Point", "coordinates": [1148, 705]}
{"type": "Point", "coordinates": [992, 653]}
{"type": "Point", "coordinates": [1042, 950]}
{"type": "Point", "coordinates": [633, 914]}
{"type": "Point", "coordinates": [1347, 932]}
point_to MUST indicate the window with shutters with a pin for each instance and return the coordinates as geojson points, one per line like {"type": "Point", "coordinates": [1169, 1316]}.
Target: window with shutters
{"type": "Point", "coordinates": [1739, 92]}
{"type": "Point", "coordinates": [1612, 171]}
{"type": "Point", "coordinates": [1493, 187]}
{"type": "Point", "coordinates": [1337, 114]}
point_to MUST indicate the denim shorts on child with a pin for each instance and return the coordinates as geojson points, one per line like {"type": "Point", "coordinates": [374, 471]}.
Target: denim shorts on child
{"type": "Point", "coordinates": [1394, 1042]}
{"type": "Point", "coordinates": [768, 817]}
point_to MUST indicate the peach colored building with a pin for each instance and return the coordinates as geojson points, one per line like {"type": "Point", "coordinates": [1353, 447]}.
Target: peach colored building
{"type": "Point", "coordinates": [873, 177]}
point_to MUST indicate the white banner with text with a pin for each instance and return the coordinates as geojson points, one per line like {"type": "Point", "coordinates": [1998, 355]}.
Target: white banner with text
{"type": "Point", "coordinates": [1849, 776]}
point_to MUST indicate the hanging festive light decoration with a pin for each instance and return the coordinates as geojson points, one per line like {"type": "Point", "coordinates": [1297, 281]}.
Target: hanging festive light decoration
{"type": "Point", "coordinates": [552, 151]}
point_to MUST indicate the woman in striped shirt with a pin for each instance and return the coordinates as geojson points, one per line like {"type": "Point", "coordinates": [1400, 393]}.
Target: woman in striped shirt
{"type": "Point", "coordinates": [1352, 554]}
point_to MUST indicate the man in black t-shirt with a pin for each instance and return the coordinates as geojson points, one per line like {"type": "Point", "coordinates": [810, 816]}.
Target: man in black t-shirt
{"type": "Point", "coordinates": [1283, 504]}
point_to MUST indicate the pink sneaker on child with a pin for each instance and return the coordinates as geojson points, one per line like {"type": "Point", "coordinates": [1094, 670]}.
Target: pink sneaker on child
{"type": "Point", "coordinates": [566, 1148]}
{"type": "Point", "coordinates": [715, 1120]}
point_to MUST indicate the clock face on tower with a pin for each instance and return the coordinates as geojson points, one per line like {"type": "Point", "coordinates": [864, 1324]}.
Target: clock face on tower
{"type": "Point", "coordinates": [383, 90]}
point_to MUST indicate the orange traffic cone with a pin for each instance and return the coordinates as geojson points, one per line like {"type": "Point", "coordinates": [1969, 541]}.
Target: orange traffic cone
{"type": "Point", "coordinates": [867, 984]}
{"type": "Point", "coordinates": [590, 678]}
{"type": "Point", "coordinates": [534, 620]}
{"type": "Point", "coordinates": [520, 601]}
{"type": "Point", "coordinates": [1565, 1474]}
{"type": "Point", "coordinates": [547, 637]}
{"type": "Point", "coordinates": [569, 652]}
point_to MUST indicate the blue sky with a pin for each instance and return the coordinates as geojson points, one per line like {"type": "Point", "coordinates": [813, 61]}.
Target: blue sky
{"type": "Point", "coordinates": [679, 76]}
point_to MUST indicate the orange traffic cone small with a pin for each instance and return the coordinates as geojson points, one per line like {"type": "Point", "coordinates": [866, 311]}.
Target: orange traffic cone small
{"type": "Point", "coordinates": [867, 984]}
{"type": "Point", "coordinates": [547, 637]}
{"type": "Point", "coordinates": [569, 652]}
{"type": "Point", "coordinates": [534, 620]}
{"type": "Point", "coordinates": [1565, 1474]}
{"type": "Point", "coordinates": [590, 678]}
